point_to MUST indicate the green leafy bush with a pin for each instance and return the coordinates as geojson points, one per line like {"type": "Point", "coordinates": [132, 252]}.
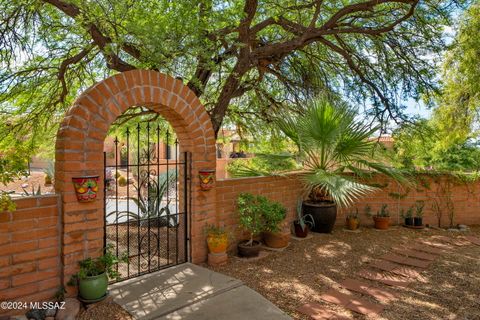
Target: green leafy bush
{"type": "Point", "coordinates": [260, 164]}
{"type": "Point", "coordinates": [258, 214]}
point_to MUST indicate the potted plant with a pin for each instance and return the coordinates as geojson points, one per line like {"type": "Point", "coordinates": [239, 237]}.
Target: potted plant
{"type": "Point", "coordinates": [407, 216]}
{"type": "Point", "coordinates": [382, 218]}
{"type": "Point", "coordinates": [92, 278]}
{"type": "Point", "coordinates": [418, 219]}
{"type": "Point", "coordinates": [336, 152]}
{"type": "Point", "coordinates": [217, 239]}
{"type": "Point", "coordinates": [302, 224]}
{"type": "Point", "coordinates": [250, 219]}
{"type": "Point", "coordinates": [352, 220]}
{"type": "Point", "coordinates": [273, 213]}
{"type": "Point", "coordinates": [49, 174]}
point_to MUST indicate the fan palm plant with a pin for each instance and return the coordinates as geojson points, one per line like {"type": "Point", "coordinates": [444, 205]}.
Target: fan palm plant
{"type": "Point", "coordinates": [336, 150]}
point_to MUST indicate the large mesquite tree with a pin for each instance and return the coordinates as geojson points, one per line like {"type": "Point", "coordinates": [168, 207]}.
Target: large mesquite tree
{"type": "Point", "coordinates": [245, 59]}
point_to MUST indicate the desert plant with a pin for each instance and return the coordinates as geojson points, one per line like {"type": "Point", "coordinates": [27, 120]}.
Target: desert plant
{"type": "Point", "coordinates": [303, 220]}
{"type": "Point", "coordinates": [49, 172]}
{"type": "Point", "coordinates": [250, 211]}
{"type": "Point", "coordinates": [150, 193]}
{"type": "Point", "coordinates": [353, 215]}
{"type": "Point", "coordinates": [383, 212]}
{"type": "Point", "coordinates": [419, 205]}
{"type": "Point", "coordinates": [406, 214]}
{"type": "Point", "coordinates": [34, 192]}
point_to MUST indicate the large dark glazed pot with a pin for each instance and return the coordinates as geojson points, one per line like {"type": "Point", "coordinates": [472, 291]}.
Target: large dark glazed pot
{"type": "Point", "coordinates": [324, 215]}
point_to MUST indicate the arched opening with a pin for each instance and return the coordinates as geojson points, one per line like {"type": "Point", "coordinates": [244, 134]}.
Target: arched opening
{"type": "Point", "coordinates": [80, 152]}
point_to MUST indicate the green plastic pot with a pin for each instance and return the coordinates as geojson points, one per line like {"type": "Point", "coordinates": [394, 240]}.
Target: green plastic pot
{"type": "Point", "coordinates": [92, 288]}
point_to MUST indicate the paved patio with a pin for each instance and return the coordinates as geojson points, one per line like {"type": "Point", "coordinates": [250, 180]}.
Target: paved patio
{"type": "Point", "coordinates": [189, 291]}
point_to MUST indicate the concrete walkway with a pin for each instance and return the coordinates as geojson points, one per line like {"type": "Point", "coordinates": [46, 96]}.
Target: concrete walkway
{"type": "Point", "coordinates": [188, 292]}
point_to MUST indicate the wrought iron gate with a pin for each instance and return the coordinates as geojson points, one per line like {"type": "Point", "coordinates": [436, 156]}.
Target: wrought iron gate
{"type": "Point", "coordinates": [146, 201]}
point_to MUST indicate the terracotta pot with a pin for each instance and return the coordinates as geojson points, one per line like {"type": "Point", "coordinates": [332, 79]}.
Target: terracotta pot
{"type": "Point", "coordinates": [381, 223]}
{"type": "Point", "coordinates": [324, 215]}
{"type": "Point", "coordinates": [247, 251]}
{"type": "Point", "coordinates": [299, 232]}
{"type": "Point", "coordinates": [352, 223]}
{"type": "Point", "coordinates": [217, 243]}
{"type": "Point", "coordinates": [207, 179]}
{"type": "Point", "coordinates": [86, 188]}
{"type": "Point", "coordinates": [276, 239]}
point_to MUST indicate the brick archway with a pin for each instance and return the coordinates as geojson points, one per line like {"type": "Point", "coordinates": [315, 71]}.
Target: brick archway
{"type": "Point", "coordinates": [79, 151]}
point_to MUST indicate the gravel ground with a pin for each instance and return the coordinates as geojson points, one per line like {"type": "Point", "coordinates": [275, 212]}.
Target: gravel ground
{"type": "Point", "coordinates": [108, 310]}
{"type": "Point", "coordinates": [449, 288]}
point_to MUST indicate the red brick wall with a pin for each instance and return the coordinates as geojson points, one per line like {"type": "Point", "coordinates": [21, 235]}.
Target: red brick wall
{"type": "Point", "coordinates": [30, 250]}
{"type": "Point", "coordinates": [466, 199]}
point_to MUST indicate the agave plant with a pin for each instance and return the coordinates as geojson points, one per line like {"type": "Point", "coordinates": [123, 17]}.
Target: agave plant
{"type": "Point", "coordinates": [150, 193]}
{"type": "Point", "coordinates": [335, 150]}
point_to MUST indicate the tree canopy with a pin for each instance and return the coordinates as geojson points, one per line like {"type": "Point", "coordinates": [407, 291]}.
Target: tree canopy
{"type": "Point", "coordinates": [246, 59]}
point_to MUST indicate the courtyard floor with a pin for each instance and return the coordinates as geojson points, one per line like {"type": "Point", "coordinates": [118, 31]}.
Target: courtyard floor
{"type": "Point", "coordinates": [316, 271]}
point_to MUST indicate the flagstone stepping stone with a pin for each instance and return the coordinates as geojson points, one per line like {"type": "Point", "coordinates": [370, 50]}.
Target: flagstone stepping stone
{"type": "Point", "coordinates": [367, 289]}
{"type": "Point", "coordinates": [406, 261]}
{"type": "Point", "coordinates": [398, 281]}
{"type": "Point", "coordinates": [428, 249]}
{"type": "Point", "coordinates": [351, 302]}
{"type": "Point", "coordinates": [473, 240]}
{"type": "Point", "coordinates": [415, 254]}
{"type": "Point", "coordinates": [383, 265]}
{"type": "Point", "coordinates": [454, 241]}
{"type": "Point", "coordinates": [407, 272]}
{"type": "Point", "coordinates": [437, 245]}
{"type": "Point", "coordinates": [318, 312]}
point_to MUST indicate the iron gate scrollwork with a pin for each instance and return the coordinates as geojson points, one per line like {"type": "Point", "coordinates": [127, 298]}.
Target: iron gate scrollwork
{"type": "Point", "coordinates": [146, 201]}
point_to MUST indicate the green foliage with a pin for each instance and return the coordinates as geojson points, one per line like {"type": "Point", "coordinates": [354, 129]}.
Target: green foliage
{"type": "Point", "coordinates": [419, 205]}
{"type": "Point", "coordinates": [406, 213]}
{"type": "Point", "coordinates": [106, 263]}
{"type": "Point", "coordinates": [420, 146]}
{"type": "Point", "coordinates": [353, 215]}
{"type": "Point", "coordinates": [14, 157]}
{"type": "Point", "coordinates": [215, 230]}
{"type": "Point", "coordinates": [6, 203]}
{"type": "Point", "coordinates": [459, 102]}
{"type": "Point", "coordinates": [291, 52]}
{"type": "Point", "coordinates": [258, 214]}
{"type": "Point", "coordinates": [335, 150]}
{"type": "Point", "coordinates": [303, 220]}
{"type": "Point", "coordinates": [273, 214]}
{"type": "Point", "coordinates": [383, 212]}
{"type": "Point", "coordinates": [260, 164]}
{"type": "Point", "coordinates": [34, 192]}
{"type": "Point", "coordinates": [250, 214]}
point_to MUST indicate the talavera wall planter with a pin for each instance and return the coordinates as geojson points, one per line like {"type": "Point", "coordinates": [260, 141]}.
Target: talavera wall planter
{"type": "Point", "coordinates": [86, 188]}
{"type": "Point", "coordinates": [207, 179]}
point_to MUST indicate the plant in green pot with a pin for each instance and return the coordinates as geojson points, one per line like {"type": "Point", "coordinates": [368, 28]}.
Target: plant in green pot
{"type": "Point", "coordinates": [250, 219]}
{"type": "Point", "coordinates": [273, 213]}
{"type": "Point", "coordinates": [92, 278]}
{"type": "Point", "coordinates": [337, 153]}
